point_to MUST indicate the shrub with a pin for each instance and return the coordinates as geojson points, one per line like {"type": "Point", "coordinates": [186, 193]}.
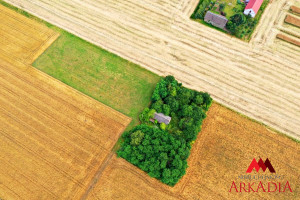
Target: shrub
{"type": "Point", "coordinates": [221, 6]}
{"type": "Point", "coordinates": [163, 126]}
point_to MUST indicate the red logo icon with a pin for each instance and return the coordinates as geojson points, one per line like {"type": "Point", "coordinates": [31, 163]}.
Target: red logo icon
{"type": "Point", "coordinates": [260, 164]}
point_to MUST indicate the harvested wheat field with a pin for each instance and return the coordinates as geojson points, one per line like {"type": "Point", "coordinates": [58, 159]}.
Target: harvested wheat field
{"type": "Point", "coordinates": [253, 78]}
{"type": "Point", "coordinates": [223, 151]}
{"type": "Point", "coordinates": [53, 139]}
{"type": "Point", "coordinates": [21, 38]}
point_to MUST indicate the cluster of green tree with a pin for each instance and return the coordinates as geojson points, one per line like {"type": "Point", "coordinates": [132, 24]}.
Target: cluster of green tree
{"type": "Point", "coordinates": [186, 107]}
{"type": "Point", "coordinates": [162, 150]}
{"type": "Point", "coordinates": [156, 152]}
{"type": "Point", "coordinates": [202, 8]}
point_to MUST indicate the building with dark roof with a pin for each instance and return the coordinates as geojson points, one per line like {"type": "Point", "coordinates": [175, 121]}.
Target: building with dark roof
{"type": "Point", "coordinates": [215, 19]}
{"type": "Point", "coordinates": [161, 118]}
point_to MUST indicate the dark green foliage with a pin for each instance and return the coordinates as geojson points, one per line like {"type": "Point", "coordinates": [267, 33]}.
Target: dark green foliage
{"type": "Point", "coordinates": [158, 153]}
{"type": "Point", "coordinates": [158, 106]}
{"type": "Point", "coordinates": [221, 6]}
{"type": "Point", "coordinates": [166, 109]}
{"type": "Point", "coordinates": [159, 149]}
{"type": "Point", "coordinates": [202, 8]}
{"type": "Point", "coordinates": [235, 21]}
{"type": "Point", "coordinates": [187, 108]}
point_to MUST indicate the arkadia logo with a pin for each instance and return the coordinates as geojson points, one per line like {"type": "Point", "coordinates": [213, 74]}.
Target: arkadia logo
{"type": "Point", "coordinates": [260, 164]}
{"type": "Point", "coordinates": [259, 182]}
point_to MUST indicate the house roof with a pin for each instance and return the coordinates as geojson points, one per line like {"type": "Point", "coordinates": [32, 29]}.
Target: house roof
{"type": "Point", "coordinates": [215, 19]}
{"type": "Point", "coordinates": [161, 118]}
{"type": "Point", "coordinates": [254, 5]}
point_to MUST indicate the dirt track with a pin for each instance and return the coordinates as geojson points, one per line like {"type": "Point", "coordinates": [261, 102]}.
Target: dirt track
{"type": "Point", "coordinates": [253, 78]}
{"type": "Point", "coordinates": [53, 139]}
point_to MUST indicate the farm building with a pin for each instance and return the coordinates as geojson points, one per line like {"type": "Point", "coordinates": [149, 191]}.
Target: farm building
{"type": "Point", "coordinates": [161, 118]}
{"type": "Point", "coordinates": [215, 19]}
{"type": "Point", "coordinates": [253, 7]}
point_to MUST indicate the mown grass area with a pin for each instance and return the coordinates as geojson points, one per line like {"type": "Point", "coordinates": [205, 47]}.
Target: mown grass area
{"type": "Point", "coordinates": [104, 76]}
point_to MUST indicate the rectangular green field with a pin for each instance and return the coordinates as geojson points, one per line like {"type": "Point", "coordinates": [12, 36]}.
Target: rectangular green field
{"type": "Point", "coordinates": [104, 76]}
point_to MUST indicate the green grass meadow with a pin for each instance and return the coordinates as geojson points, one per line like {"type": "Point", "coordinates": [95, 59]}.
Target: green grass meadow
{"type": "Point", "coordinates": [101, 75]}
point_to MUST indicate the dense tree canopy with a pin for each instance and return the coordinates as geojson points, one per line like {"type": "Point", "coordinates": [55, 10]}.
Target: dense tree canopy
{"type": "Point", "coordinates": [186, 107]}
{"type": "Point", "coordinates": [156, 152]}
{"type": "Point", "coordinates": [162, 150]}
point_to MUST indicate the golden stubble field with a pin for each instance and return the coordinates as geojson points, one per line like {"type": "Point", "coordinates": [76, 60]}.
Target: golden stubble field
{"type": "Point", "coordinates": [224, 149]}
{"type": "Point", "coordinates": [259, 79]}
{"type": "Point", "coordinates": [53, 139]}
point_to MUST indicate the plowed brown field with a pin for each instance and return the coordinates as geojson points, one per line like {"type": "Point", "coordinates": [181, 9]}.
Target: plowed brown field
{"type": "Point", "coordinates": [295, 9]}
{"type": "Point", "coordinates": [293, 20]}
{"type": "Point", "coordinates": [259, 79]}
{"type": "Point", "coordinates": [287, 38]}
{"type": "Point", "coordinates": [53, 139]}
{"type": "Point", "coordinates": [224, 149]}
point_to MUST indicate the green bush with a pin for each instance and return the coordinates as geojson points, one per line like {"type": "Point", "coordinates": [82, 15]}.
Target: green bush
{"type": "Point", "coordinates": [163, 126]}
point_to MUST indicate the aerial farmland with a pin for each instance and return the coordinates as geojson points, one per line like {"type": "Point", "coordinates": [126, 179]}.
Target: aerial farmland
{"type": "Point", "coordinates": [48, 130]}
{"type": "Point", "coordinates": [110, 99]}
{"type": "Point", "coordinates": [161, 37]}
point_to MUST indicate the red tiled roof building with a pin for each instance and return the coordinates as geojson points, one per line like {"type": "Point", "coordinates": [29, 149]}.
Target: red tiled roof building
{"type": "Point", "coordinates": [253, 7]}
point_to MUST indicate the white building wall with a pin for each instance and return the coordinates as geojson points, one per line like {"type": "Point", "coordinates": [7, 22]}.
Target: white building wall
{"type": "Point", "coordinates": [249, 11]}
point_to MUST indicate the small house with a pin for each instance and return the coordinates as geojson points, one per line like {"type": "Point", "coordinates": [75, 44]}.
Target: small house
{"type": "Point", "coordinates": [215, 19]}
{"type": "Point", "coordinates": [253, 7]}
{"type": "Point", "coordinates": [161, 118]}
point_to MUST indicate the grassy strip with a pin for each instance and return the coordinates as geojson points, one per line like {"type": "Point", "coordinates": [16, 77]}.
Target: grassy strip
{"type": "Point", "coordinates": [102, 75]}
